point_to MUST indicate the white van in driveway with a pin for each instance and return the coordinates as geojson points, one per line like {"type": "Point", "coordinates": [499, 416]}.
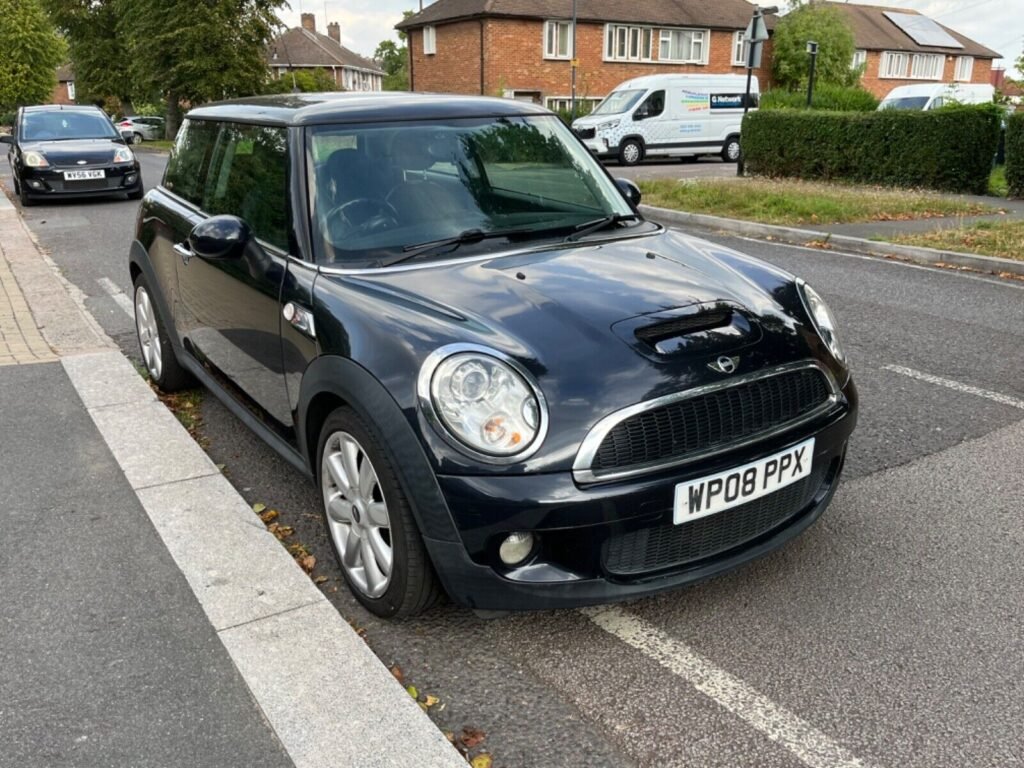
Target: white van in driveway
{"type": "Point", "coordinates": [935, 95]}
{"type": "Point", "coordinates": [669, 116]}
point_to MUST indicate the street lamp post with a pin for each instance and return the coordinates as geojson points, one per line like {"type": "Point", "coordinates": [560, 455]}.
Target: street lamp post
{"type": "Point", "coordinates": [812, 49]}
{"type": "Point", "coordinates": [573, 63]}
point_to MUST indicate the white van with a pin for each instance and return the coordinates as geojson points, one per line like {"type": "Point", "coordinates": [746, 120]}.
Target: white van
{"type": "Point", "coordinates": [935, 95]}
{"type": "Point", "coordinates": [669, 116]}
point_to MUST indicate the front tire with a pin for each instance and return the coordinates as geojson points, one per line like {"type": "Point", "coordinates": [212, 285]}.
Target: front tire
{"type": "Point", "coordinates": [154, 343]}
{"type": "Point", "coordinates": [23, 196]}
{"type": "Point", "coordinates": [138, 138]}
{"type": "Point", "coordinates": [731, 150]}
{"type": "Point", "coordinates": [369, 521]}
{"type": "Point", "coordinates": [631, 152]}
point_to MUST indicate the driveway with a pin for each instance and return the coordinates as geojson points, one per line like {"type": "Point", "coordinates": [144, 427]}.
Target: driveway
{"type": "Point", "coordinates": [888, 635]}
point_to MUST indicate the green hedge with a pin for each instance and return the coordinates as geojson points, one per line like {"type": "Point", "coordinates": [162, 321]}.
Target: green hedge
{"type": "Point", "coordinates": [1015, 154]}
{"type": "Point", "coordinates": [948, 149]}
{"type": "Point", "coordinates": [831, 97]}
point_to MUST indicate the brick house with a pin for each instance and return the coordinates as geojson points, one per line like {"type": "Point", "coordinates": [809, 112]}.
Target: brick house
{"type": "Point", "coordinates": [64, 91]}
{"type": "Point", "coordinates": [305, 48]}
{"type": "Point", "coordinates": [522, 48]}
{"type": "Point", "coordinates": [893, 57]}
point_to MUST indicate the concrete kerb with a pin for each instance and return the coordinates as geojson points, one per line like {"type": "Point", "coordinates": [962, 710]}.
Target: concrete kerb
{"type": "Point", "coordinates": [329, 699]}
{"type": "Point", "coordinates": [930, 256]}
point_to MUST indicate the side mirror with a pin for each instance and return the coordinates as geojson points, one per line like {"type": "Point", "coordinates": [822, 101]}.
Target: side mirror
{"type": "Point", "coordinates": [640, 115]}
{"type": "Point", "coordinates": [6, 139]}
{"type": "Point", "coordinates": [128, 136]}
{"type": "Point", "coordinates": [220, 237]}
{"type": "Point", "coordinates": [629, 190]}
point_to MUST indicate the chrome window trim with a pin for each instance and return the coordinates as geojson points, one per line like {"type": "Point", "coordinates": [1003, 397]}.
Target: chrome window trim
{"type": "Point", "coordinates": [426, 376]}
{"type": "Point", "coordinates": [581, 468]}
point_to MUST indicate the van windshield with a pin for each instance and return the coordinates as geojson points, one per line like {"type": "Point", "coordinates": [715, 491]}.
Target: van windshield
{"type": "Point", "coordinates": [618, 102]}
{"type": "Point", "coordinates": [910, 102]}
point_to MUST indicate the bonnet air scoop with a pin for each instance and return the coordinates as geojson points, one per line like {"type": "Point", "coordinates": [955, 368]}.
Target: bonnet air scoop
{"type": "Point", "coordinates": [697, 328]}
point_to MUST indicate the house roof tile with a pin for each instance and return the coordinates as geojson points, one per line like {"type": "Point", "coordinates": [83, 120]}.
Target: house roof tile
{"type": "Point", "coordinates": [720, 14]}
{"type": "Point", "coordinates": [301, 48]}
{"type": "Point", "coordinates": [874, 31]}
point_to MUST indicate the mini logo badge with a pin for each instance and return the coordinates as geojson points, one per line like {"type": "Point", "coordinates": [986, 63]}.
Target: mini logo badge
{"type": "Point", "coordinates": [725, 364]}
{"type": "Point", "coordinates": [82, 162]}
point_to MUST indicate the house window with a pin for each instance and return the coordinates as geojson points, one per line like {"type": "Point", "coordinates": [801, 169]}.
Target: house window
{"type": "Point", "coordinates": [623, 43]}
{"type": "Point", "coordinates": [557, 40]}
{"type": "Point", "coordinates": [860, 60]}
{"type": "Point", "coordinates": [683, 45]}
{"type": "Point", "coordinates": [429, 41]}
{"type": "Point", "coordinates": [964, 68]}
{"type": "Point", "coordinates": [740, 49]}
{"type": "Point", "coordinates": [894, 65]}
{"type": "Point", "coordinates": [584, 104]}
{"type": "Point", "coordinates": [927, 66]}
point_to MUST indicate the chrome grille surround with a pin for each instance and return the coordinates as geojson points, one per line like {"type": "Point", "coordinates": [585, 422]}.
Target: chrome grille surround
{"type": "Point", "coordinates": [582, 466]}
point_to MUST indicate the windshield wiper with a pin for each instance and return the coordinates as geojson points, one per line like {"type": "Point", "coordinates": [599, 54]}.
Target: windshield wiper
{"type": "Point", "coordinates": [588, 227]}
{"type": "Point", "coordinates": [464, 237]}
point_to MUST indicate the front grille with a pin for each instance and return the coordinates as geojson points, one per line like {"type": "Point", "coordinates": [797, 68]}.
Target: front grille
{"type": "Point", "coordinates": [671, 546]}
{"type": "Point", "coordinates": [711, 421]}
{"type": "Point", "coordinates": [85, 185]}
{"type": "Point", "coordinates": [585, 133]}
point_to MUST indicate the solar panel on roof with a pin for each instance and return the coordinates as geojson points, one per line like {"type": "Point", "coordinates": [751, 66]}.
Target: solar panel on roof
{"type": "Point", "coordinates": [923, 30]}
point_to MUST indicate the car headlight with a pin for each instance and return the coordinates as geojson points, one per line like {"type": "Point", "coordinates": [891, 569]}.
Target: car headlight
{"type": "Point", "coordinates": [35, 159]}
{"type": "Point", "coordinates": [608, 126]}
{"type": "Point", "coordinates": [823, 319]}
{"type": "Point", "coordinates": [485, 401]}
{"type": "Point", "coordinates": [123, 155]}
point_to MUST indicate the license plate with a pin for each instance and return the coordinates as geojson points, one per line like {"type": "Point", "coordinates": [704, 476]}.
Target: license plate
{"type": "Point", "coordinates": [82, 175]}
{"type": "Point", "coordinates": [717, 493]}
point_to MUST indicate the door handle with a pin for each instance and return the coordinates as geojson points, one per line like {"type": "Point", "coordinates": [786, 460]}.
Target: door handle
{"type": "Point", "coordinates": [300, 318]}
{"type": "Point", "coordinates": [183, 250]}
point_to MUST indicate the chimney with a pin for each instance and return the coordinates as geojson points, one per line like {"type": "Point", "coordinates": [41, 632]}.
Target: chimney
{"type": "Point", "coordinates": [334, 30]}
{"type": "Point", "coordinates": [309, 22]}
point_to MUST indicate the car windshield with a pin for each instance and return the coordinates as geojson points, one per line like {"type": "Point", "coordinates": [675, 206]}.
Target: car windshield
{"type": "Point", "coordinates": [618, 102]}
{"type": "Point", "coordinates": [382, 192]}
{"type": "Point", "coordinates": [66, 124]}
{"type": "Point", "coordinates": [910, 102]}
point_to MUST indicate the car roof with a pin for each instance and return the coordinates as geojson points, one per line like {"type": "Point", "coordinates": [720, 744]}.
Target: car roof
{"type": "Point", "coordinates": [62, 108]}
{"type": "Point", "coordinates": [348, 107]}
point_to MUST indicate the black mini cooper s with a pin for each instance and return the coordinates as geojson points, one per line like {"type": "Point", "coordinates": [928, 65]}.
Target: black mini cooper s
{"type": "Point", "coordinates": [508, 384]}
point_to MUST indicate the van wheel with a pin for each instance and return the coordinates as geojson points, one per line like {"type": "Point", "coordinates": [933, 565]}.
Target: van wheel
{"type": "Point", "coordinates": [631, 152]}
{"type": "Point", "coordinates": [731, 151]}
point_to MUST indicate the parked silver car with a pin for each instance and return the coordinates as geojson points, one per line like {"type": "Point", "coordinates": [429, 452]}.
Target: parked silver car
{"type": "Point", "coordinates": [143, 128]}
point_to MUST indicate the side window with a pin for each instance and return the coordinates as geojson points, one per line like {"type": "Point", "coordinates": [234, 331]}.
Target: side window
{"type": "Point", "coordinates": [652, 106]}
{"type": "Point", "coordinates": [187, 164]}
{"type": "Point", "coordinates": [248, 178]}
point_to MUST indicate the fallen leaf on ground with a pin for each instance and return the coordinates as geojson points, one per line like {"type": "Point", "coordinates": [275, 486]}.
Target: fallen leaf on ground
{"type": "Point", "coordinates": [269, 516]}
{"type": "Point", "coordinates": [319, 579]}
{"type": "Point", "coordinates": [308, 563]}
{"type": "Point", "coordinates": [397, 672]}
{"type": "Point", "coordinates": [431, 700]}
{"type": "Point", "coordinates": [282, 532]}
{"type": "Point", "coordinates": [258, 507]}
{"type": "Point", "coordinates": [471, 737]}
{"type": "Point", "coordinates": [481, 761]}
{"type": "Point", "coordinates": [412, 691]}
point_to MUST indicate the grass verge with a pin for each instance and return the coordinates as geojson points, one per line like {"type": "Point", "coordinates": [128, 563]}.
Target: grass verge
{"type": "Point", "coordinates": [997, 186]}
{"type": "Point", "coordinates": [986, 238]}
{"type": "Point", "coordinates": [790, 202]}
{"type": "Point", "coordinates": [163, 145]}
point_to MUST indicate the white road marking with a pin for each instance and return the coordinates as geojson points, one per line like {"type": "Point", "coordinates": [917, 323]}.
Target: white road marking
{"type": "Point", "coordinates": [894, 262]}
{"type": "Point", "coordinates": [780, 725]}
{"type": "Point", "coordinates": [119, 296]}
{"type": "Point", "coordinates": [1013, 402]}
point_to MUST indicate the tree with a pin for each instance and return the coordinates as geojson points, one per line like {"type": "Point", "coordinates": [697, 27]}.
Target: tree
{"type": "Point", "coordinates": [193, 52]}
{"type": "Point", "coordinates": [394, 60]}
{"type": "Point", "coordinates": [306, 80]}
{"type": "Point", "coordinates": [97, 50]}
{"type": "Point", "coordinates": [827, 27]}
{"type": "Point", "coordinates": [31, 53]}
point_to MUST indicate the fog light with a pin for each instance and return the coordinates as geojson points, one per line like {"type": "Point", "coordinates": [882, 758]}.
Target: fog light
{"type": "Point", "coordinates": [129, 179]}
{"type": "Point", "coordinates": [515, 548]}
{"type": "Point", "coordinates": [35, 184]}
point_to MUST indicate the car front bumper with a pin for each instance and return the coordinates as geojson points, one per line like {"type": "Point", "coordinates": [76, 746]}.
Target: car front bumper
{"type": "Point", "coordinates": [596, 542]}
{"type": "Point", "coordinates": [50, 181]}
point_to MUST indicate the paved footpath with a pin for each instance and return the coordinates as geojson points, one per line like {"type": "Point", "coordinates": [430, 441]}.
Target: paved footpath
{"type": "Point", "coordinates": [147, 618]}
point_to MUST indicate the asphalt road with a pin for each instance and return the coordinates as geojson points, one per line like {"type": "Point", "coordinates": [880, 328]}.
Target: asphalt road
{"type": "Point", "coordinates": [888, 635]}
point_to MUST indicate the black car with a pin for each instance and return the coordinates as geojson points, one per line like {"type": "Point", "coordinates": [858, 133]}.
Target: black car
{"type": "Point", "coordinates": [70, 151]}
{"type": "Point", "coordinates": [507, 383]}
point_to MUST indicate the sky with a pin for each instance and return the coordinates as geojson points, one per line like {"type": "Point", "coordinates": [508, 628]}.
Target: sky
{"type": "Point", "coordinates": [998, 24]}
